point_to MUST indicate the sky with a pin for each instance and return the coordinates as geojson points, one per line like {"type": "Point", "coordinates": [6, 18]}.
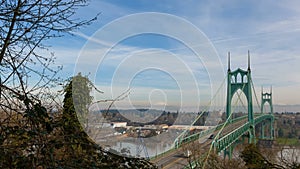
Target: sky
{"type": "Point", "coordinates": [174, 53]}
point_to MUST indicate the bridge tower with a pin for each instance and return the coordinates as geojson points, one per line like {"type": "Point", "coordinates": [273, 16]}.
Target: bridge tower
{"type": "Point", "coordinates": [240, 79]}
{"type": "Point", "coordinates": [267, 98]}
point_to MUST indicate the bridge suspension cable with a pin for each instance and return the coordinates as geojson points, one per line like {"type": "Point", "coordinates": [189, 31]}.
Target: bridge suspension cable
{"type": "Point", "coordinates": [252, 84]}
{"type": "Point", "coordinates": [204, 110]}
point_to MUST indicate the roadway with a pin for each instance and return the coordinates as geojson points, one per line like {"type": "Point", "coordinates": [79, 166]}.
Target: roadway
{"type": "Point", "coordinates": [176, 159]}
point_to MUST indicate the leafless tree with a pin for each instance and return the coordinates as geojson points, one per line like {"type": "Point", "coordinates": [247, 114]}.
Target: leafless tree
{"type": "Point", "coordinates": [26, 65]}
{"type": "Point", "coordinates": [27, 74]}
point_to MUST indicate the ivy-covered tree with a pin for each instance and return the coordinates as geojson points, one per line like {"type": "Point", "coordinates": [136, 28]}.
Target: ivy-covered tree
{"type": "Point", "coordinates": [76, 143]}
{"type": "Point", "coordinates": [76, 102]}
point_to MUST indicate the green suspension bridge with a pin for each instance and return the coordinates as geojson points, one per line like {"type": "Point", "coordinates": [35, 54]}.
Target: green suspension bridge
{"type": "Point", "coordinates": [229, 133]}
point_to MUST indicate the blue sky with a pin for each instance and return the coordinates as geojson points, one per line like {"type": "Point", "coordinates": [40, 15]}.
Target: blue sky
{"type": "Point", "coordinates": [162, 70]}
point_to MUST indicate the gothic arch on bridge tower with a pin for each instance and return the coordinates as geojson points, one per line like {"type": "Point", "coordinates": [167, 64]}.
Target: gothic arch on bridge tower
{"type": "Point", "coordinates": [266, 108]}
{"type": "Point", "coordinates": [241, 104]}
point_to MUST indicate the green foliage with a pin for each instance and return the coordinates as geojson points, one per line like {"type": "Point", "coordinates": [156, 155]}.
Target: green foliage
{"type": "Point", "coordinates": [288, 141]}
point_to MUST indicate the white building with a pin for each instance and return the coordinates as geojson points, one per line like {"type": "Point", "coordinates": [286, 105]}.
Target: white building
{"type": "Point", "coordinates": [118, 124]}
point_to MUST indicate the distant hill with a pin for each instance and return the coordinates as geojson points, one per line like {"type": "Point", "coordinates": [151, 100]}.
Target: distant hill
{"type": "Point", "coordinates": [287, 108]}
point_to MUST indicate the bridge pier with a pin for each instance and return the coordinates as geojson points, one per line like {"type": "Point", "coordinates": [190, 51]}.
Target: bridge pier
{"type": "Point", "coordinates": [251, 139]}
{"type": "Point", "coordinates": [272, 128]}
{"type": "Point", "coordinates": [228, 152]}
{"type": "Point", "coordinates": [262, 130]}
{"type": "Point", "coordinates": [267, 129]}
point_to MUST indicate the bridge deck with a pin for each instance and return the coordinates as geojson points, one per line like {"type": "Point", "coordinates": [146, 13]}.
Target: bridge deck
{"type": "Point", "coordinates": [175, 159]}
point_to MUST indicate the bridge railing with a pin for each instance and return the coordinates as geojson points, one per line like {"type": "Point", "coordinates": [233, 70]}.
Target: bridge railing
{"type": "Point", "coordinates": [263, 117]}
{"type": "Point", "coordinates": [179, 141]}
{"type": "Point", "coordinates": [227, 140]}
